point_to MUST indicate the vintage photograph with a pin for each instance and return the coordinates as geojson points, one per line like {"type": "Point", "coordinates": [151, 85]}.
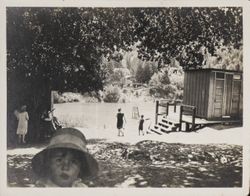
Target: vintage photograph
{"type": "Point", "coordinates": [123, 97]}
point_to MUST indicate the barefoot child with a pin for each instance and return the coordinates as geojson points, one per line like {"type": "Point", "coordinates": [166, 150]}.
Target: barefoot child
{"type": "Point", "coordinates": [65, 162]}
{"type": "Point", "coordinates": [22, 127]}
{"type": "Point", "coordinates": [141, 122]}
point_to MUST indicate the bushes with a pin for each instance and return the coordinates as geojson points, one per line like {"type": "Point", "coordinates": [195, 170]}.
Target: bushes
{"type": "Point", "coordinates": [112, 94]}
{"type": "Point", "coordinates": [165, 84]}
{"type": "Point", "coordinates": [164, 91]}
{"type": "Point", "coordinates": [67, 97]}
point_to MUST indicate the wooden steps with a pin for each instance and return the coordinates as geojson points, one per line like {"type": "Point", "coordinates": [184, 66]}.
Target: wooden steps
{"type": "Point", "coordinates": [156, 130]}
{"type": "Point", "coordinates": [165, 126]}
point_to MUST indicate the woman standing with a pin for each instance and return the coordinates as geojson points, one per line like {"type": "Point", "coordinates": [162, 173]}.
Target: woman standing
{"type": "Point", "coordinates": [22, 127]}
{"type": "Point", "coordinates": [120, 119]}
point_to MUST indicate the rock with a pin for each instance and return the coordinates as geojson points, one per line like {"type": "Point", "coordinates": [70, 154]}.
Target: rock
{"type": "Point", "coordinates": [136, 154]}
{"type": "Point", "coordinates": [202, 169]}
{"type": "Point", "coordinates": [210, 156]}
{"type": "Point", "coordinates": [223, 160]}
{"type": "Point", "coordinates": [143, 183]}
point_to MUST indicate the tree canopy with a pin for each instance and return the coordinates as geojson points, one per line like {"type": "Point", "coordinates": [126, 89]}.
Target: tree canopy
{"type": "Point", "coordinates": [57, 44]}
{"type": "Point", "coordinates": [62, 48]}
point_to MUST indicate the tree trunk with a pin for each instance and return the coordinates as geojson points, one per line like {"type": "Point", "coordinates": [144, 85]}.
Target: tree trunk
{"type": "Point", "coordinates": [37, 100]}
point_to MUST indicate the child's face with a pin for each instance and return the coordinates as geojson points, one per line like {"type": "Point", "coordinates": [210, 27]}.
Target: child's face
{"type": "Point", "coordinates": [64, 167]}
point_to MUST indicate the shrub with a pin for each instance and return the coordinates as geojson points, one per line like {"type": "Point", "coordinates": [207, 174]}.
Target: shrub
{"type": "Point", "coordinates": [163, 91]}
{"type": "Point", "coordinates": [112, 94]}
{"type": "Point", "coordinates": [125, 91]}
{"type": "Point", "coordinates": [58, 98]}
{"type": "Point", "coordinates": [123, 98]}
{"type": "Point", "coordinates": [66, 97]}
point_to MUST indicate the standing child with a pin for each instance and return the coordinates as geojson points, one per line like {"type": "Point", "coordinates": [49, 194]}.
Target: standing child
{"type": "Point", "coordinates": [141, 125]}
{"type": "Point", "coordinates": [65, 162]}
{"type": "Point", "coordinates": [141, 122]}
{"type": "Point", "coordinates": [22, 127]}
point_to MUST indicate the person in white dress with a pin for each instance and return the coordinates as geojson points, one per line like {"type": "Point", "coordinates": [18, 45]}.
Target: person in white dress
{"type": "Point", "coordinates": [22, 127]}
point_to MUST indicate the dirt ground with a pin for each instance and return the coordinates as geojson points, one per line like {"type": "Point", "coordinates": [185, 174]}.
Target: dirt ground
{"type": "Point", "coordinates": [150, 160]}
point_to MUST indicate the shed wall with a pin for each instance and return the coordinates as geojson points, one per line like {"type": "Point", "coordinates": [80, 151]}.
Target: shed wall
{"type": "Point", "coordinates": [196, 91]}
{"type": "Point", "coordinates": [216, 94]}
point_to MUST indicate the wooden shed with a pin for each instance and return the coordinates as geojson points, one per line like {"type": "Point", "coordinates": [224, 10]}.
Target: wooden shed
{"type": "Point", "coordinates": [216, 94]}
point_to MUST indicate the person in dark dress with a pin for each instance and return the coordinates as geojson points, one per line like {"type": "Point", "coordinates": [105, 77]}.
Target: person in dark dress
{"type": "Point", "coordinates": [120, 120]}
{"type": "Point", "coordinates": [141, 125]}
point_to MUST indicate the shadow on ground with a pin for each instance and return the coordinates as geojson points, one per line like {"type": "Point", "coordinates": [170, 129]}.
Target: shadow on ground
{"type": "Point", "coordinates": [150, 164]}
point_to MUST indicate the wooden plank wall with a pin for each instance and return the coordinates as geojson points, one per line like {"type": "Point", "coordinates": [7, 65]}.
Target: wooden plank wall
{"type": "Point", "coordinates": [210, 107]}
{"type": "Point", "coordinates": [199, 91]}
{"type": "Point", "coordinates": [228, 98]}
{"type": "Point", "coordinates": [196, 91]}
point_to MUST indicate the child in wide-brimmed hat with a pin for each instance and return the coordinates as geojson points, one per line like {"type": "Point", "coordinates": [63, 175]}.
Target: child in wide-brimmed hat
{"type": "Point", "coordinates": [65, 162]}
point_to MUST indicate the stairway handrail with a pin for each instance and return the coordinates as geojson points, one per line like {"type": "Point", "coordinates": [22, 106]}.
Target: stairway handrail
{"type": "Point", "coordinates": [169, 102]}
{"type": "Point", "coordinates": [182, 109]}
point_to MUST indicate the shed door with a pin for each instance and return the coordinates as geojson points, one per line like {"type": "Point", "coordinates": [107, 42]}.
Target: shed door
{"type": "Point", "coordinates": [219, 94]}
{"type": "Point", "coordinates": [236, 91]}
{"type": "Point", "coordinates": [228, 95]}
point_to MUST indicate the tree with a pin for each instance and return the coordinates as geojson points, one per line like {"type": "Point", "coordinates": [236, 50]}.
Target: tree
{"type": "Point", "coordinates": [52, 48]}
{"type": "Point", "coordinates": [182, 32]}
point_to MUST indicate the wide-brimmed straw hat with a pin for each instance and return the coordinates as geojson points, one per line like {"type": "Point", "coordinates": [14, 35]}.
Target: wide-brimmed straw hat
{"type": "Point", "coordinates": [66, 138]}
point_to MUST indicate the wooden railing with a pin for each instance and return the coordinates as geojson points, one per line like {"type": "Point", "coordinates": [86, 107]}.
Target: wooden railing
{"type": "Point", "coordinates": [189, 109]}
{"type": "Point", "coordinates": [184, 109]}
{"type": "Point", "coordinates": [166, 103]}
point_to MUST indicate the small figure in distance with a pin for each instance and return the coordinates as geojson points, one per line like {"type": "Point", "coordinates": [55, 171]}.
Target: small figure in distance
{"type": "Point", "coordinates": [22, 127]}
{"type": "Point", "coordinates": [141, 122]}
{"type": "Point", "coordinates": [65, 162]}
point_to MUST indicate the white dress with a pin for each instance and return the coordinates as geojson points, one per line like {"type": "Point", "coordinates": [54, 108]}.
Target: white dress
{"type": "Point", "coordinates": [22, 127]}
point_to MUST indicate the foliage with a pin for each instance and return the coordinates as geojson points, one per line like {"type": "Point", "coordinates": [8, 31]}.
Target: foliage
{"type": "Point", "coordinates": [176, 75]}
{"type": "Point", "coordinates": [139, 71]}
{"type": "Point", "coordinates": [66, 97]}
{"type": "Point", "coordinates": [57, 44]}
{"type": "Point", "coordinates": [74, 39]}
{"type": "Point", "coordinates": [182, 32]}
{"type": "Point", "coordinates": [167, 91]}
{"type": "Point", "coordinates": [168, 83]}
{"type": "Point", "coordinates": [131, 60]}
{"type": "Point", "coordinates": [112, 94]}
{"type": "Point", "coordinates": [144, 72]}
{"type": "Point", "coordinates": [119, 76]}
{"type": "Point", "coordinates": [229, 58]}
{"type": "Point", "coordinates": [160, 78]}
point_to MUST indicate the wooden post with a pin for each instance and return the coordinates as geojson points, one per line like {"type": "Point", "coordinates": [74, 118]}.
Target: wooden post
{"type": "Point", "coordinates": [187, 127]}
{"type": "Point", "coordinates": [193, 118]}
{"type": "Point", "coordinates": [156, 112]}
{"type": "Point", "coordinates": [167, 109]}
{"type": "Point", "coordinates": [181, 110]}
{"type": "Point", "coordinates": [174, 106]}
{"type": "Point", "coordinates": [135, 112]}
